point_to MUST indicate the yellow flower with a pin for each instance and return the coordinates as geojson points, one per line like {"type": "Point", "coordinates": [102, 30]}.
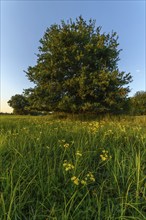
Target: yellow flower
{"type": "Point", "coordinates": [68, 166]}
{"type": "Point", "coordinates": [65, 163]}
{"type": "Point", "coordinates": [78, 154]}
{"type": "Point", "coordinates": [75, 180]}
{"type": "Point", "coordinates": [63, 143]}
{"type": "Point", "coordinates": [63, 140]}
{"type": "Point", "coordinates": [105, 155]}
{"type": "Point", "coordinates": [103, 158]}
{"type": "Point", "coordinates": [90, 177]}
{"type": "Point", "coordinates": [83, 182]}
{"type": "Point", "coordinates": [66, 145]}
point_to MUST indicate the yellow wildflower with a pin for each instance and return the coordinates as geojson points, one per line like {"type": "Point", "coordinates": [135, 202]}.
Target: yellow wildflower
{"type": "Point", "coordinates": [103, 158]}
{"type": "Point", "coordinates": [68, 166]}
{"type": "Point", "coordinates": [105, 155]}
{"type": "Point", "coordinates": [78, 154]}
{"type": "Point", "coordinates": [75, 180]}
{"type": "Point", "coordinates": [83, 182]}
{"type": "Point", "coordinates": [90, 177]}
{"type": "Point", "coordinates": [63, 140]}
{"type": "Point", "coordinates": [66, 145]}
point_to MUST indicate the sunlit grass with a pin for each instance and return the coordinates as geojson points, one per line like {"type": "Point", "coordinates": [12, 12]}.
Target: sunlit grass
{"type": "Point", "coordinates": [63, 167]}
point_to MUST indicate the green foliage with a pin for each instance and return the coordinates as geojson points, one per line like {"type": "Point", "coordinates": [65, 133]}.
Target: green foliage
{"type": "Point", "coordinates": [72, 169]}
{"type": "Point", "coordinates": [76, 70]}
{"type": "Point", "coordinates": [19, 103]}
{"type": "Point", "coordinates": [138, 103]}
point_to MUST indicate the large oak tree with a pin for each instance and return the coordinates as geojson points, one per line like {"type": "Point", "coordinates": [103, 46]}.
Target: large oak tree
{"type": "Point", "coordinates": [77, 70]}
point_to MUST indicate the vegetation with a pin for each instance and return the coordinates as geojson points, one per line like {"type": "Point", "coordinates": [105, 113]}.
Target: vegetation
{"type": "Point", "coordinates": [138, 103]}
{"type": "Point", "coordinates": [19, 103]}
{"type": "Point", "coordinates": [77, 71]}
{"type": "Point", "coordinates": [60, 167]}
{"type": "Point", "coordinates": [74, 166]}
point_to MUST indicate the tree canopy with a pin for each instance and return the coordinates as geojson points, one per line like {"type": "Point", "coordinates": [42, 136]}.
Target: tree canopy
{"type": "Point", "coordinates": [77, 70]}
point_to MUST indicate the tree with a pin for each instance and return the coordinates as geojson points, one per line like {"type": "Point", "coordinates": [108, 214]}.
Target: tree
{"type": "Point", "coordinates": [19, 104]}
{"type": "Point", "coordinates": [76, 70]}
{"type": "Point", "coordinates": [138, 103]}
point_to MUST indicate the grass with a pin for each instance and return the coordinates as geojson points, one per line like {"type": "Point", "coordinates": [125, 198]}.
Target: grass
{"type": "Point", "coordinates": [67, 168]}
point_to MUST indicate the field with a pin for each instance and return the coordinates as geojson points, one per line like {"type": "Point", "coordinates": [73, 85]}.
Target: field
{"type": "Point", "coordinates": [69, 168]}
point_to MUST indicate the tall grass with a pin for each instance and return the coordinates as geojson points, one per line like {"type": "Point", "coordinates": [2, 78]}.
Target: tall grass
{"type": "Point", "coordinates": [70, 169]}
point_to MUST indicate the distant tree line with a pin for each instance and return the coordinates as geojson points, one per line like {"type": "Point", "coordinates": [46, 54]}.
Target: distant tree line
{"type": "Point", "coordinates": [138, 103]}
{"type": "Point", "coordinates": [77, 72]}
{"type": "Point", "coordinates": [5, 113]}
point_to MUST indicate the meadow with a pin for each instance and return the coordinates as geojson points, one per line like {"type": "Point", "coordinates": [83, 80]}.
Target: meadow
{"type": "Point", "coordinates": [71, 168]}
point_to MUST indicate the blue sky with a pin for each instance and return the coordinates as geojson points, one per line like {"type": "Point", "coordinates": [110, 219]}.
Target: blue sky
{"type": "Point", "coordinates": [23, 23]}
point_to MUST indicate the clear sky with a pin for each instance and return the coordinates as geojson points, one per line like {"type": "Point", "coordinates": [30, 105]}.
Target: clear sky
{"type": "Point", "coordinates": [23, 23]}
